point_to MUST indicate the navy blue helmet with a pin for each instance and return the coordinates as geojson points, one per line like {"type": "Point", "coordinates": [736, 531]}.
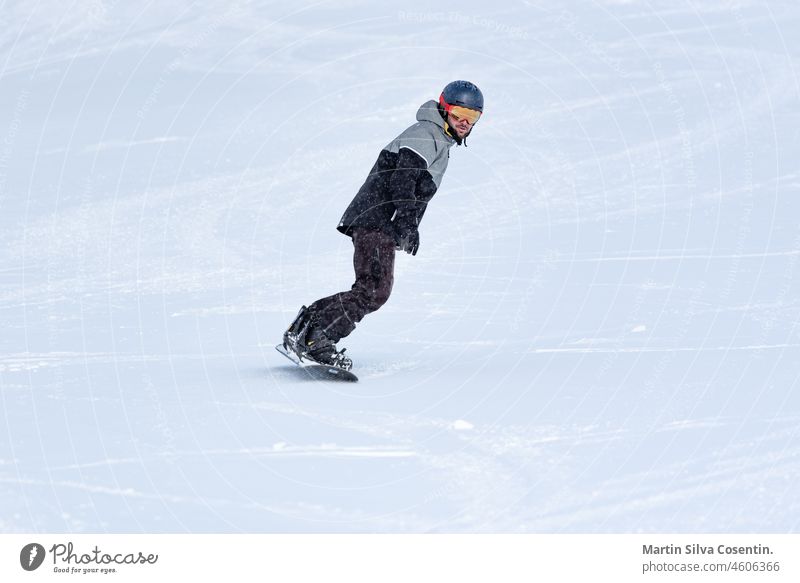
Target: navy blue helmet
{"type": "Point", "coordinates": [463, 94]}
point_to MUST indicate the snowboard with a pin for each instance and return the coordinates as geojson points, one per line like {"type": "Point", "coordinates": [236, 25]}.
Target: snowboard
{"type": "Point", "coordinates": [316, 370]}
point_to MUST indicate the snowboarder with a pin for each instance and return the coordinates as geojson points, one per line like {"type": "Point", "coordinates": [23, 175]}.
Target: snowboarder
{"type": "Point", "coordinates": [383, 217]}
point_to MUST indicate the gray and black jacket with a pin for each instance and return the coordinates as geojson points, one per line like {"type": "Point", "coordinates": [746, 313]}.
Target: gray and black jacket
{"type": "Point", "coordinates": [405, 177]}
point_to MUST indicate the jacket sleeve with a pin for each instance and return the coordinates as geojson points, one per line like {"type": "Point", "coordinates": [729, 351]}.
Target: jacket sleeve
{"type": "Point", "coordinates": [404, 186]}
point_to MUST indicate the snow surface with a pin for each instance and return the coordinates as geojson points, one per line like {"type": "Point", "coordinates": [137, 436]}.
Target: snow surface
{"type": "Point", "coordinates": [599, 333]}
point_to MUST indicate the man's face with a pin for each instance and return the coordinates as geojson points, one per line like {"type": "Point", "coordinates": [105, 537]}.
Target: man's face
{"type": "Point", "coordinates": [460, 125]}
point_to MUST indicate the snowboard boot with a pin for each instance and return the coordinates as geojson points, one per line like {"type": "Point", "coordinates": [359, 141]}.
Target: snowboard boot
{"type": "Point", "coordinates": [321, 349]}
{"type": "Point", "coordinates": [307, 340]}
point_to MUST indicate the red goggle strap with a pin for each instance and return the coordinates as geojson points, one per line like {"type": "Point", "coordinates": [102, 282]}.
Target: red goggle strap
{"type": "Point", "coordinates": [444, 104]}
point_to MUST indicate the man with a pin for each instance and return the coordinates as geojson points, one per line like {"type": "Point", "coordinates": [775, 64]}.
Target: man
{"type": "Point", "coordinates": [385, 216]}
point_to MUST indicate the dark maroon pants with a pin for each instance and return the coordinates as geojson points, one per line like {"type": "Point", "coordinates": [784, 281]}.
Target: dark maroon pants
{"type": "Point", "coordinates": [373, 261]}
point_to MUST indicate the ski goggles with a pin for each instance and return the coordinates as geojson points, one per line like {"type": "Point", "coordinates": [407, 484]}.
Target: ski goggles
{"type": "Point", "coordinates": [458, 112]}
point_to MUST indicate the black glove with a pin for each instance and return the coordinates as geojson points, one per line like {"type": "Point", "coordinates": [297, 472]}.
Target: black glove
{"type": "Point", "coordinates": [406, 234]}
{"type": "Point", "coordinates": [409, 241]}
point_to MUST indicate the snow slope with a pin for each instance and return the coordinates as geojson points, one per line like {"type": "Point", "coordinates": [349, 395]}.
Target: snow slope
{"type": "Point", "coordinates": [599, 333]}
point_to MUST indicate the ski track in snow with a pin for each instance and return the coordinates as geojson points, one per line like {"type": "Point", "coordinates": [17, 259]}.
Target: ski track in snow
{"type": "Point", "coordinates": [598, 335]}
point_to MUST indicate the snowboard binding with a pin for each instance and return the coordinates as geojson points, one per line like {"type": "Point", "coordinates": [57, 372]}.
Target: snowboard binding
{"type": "Point", "coordinates": [308, 341]}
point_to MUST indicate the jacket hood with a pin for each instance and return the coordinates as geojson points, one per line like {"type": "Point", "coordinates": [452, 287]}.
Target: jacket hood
{"type": "Point", "coordinates": [429, 111]}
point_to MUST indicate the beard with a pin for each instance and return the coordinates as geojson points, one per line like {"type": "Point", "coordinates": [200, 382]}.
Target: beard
{"type": "Point", "coordinates": [450, 130]}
